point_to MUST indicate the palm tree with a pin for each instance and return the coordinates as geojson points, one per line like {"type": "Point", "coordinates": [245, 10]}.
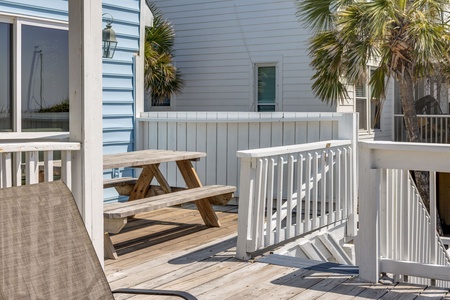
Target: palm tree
{"type": "Point", "coordinates": [407, 39]}
{"type": "Point", "coordinates": [161, 77]}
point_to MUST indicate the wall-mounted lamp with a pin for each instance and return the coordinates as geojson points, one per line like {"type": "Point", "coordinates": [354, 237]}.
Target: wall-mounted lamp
{"type": "Point", "coordinates": [109, 39]}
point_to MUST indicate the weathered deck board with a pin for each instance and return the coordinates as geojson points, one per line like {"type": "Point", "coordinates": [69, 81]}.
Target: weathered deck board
{"type": "Point", "coordinates": [171, 249]}
{"type": "Point", "coordinates": [179, 232]}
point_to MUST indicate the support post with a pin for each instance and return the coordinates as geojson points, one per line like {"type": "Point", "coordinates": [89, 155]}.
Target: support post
{"type": "Point", "coordinates": [348, 130]}
{"type": "Point", "coordinates": [85, 96]}
{"type": "Point", "coordinates": [368, 240]}
{"type": "Point", "coordinates": [246, 196]}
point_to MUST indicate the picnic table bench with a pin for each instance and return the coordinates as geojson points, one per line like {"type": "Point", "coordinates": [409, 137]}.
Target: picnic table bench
{"type": "Point", "coordinates": [144, 197]}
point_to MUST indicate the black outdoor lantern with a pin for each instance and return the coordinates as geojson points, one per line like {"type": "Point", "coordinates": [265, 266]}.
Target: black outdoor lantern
{"type": "Point", "coordinates": [109, 39]}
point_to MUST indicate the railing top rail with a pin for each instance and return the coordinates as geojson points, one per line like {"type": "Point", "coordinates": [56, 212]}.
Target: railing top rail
{"type": "Point", "coordinates": [38, 146]}
{"type": "Point", "coordinates": [426, 116]}
{"type": "Point", "coordinates": [204, 120]}
{"type": "Point", "coordinates": [236, 117]}
{"type": "Point", "coordinates": [265, 152]}
{"type": "Point", "coordinates": [407, 156]}
{"type": "Point", "coordinates": [404, 146]}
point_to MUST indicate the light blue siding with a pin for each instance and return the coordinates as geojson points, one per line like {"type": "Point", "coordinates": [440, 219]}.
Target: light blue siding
{"type": "Point", "coordinates": [50, 9]}
{"type": "Point", "coordinates": [119, 77]}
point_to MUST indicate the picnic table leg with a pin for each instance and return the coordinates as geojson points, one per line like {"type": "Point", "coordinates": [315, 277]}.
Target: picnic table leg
{"type": "Point", "coordinates": [143, 183]}
{"type": "Point", "coordinates": [110, 251]}
{"type": "Point", "coordinates": [192, 181]}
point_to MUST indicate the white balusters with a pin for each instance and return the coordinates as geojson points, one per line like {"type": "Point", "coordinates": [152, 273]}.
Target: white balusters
{"type": "Point", "coordinates": [410, 248]}
{"type": "Point", "coordinates": [288, 191]}
{"type": "Point", "coordinates": [30, 163]}
{"type": "Point", "coordinates": [433, 128]}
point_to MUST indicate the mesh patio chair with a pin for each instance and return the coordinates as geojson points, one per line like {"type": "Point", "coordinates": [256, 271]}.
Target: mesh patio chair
{"type": "Point", "coordinates": [45, 250]}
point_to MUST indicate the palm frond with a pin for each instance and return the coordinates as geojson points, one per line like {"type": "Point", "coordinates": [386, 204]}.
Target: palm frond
{"type": "Point", "coordinates": [161, 77]}
{"type": "Point", "coordinates": [318, 15]}
{"type": "Point", "coordinates": [378, 82]}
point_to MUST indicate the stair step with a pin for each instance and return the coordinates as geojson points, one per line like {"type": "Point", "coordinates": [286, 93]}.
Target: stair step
{"type": "Point", "coordinates": [311, 251]}
{"type": "Point", "coordinates": [335, 248]}
{"type": "Point", "coordinates": [303, 263]}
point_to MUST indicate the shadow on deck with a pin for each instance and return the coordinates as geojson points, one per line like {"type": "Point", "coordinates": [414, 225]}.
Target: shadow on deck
{"type": "Point", "coordinates": [171, 249]}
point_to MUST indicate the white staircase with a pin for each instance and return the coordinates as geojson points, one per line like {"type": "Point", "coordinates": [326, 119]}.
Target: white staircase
{"type": "Point", "coordinates": [327, 244]}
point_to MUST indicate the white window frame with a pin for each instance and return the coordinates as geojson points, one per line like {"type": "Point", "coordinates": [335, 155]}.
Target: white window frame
{"type": "Point", "coordinates": [17, 22]}
{"type": "Point", "coordinates": [266, 61]}
{"type": "Point", "coordinates": [369, 127]}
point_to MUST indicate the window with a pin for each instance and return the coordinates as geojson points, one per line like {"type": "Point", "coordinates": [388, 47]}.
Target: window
{"type": "Point", "coordinates": [367, 106]}
{"type": "Point", "coordinates": [158, 102]}
{"type": "Point", "coordinates": [266, 87]}
{"type": "Point", "coordinates": [5, 77]}
{"type": "Point", "coordinates": [39, 100]}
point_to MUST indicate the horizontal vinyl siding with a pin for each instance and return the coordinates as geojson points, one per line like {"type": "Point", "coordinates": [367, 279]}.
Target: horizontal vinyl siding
{"type": "Point", "coordinates": [48, 9]}
{"type": "Point", "coordinates": [217, 43]}
{"type": "Point", "coordinates": [119, 78]}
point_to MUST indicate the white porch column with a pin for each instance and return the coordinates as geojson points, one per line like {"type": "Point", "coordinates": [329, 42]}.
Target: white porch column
{"type": "Point", "coordinates": [85, 95]}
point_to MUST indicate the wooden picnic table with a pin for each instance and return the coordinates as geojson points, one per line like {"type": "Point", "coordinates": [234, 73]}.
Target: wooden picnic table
{"type": "Point", "coordinates": [115, 215]}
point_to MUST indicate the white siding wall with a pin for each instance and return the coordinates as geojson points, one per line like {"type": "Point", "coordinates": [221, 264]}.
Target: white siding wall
{"type": "Point", "coordinates": [218, 42]}
{"type": "Point", "coordinates": [385, 133]}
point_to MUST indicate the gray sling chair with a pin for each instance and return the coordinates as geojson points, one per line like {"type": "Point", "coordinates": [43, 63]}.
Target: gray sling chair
{"type": "Point", "coordinates": [45, 250]}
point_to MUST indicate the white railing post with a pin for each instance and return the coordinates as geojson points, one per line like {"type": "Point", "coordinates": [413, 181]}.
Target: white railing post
{"type": "Point", "coordinates": [246, 198]}
{"type": "Point", "coordinates": [66, 168]}
{"type": "Point", "coordinates": [48, 166]}
{"type": "Point", "coordinates": [348, 130]}
{"type": "Point", "coordinates": [369, 210]}
{"type": "Point", "coordinates": [433, 213]}
{"type": "Point", "coordinates": [6, 170]}
{"type": "Point", "coordinates": [32, 167]}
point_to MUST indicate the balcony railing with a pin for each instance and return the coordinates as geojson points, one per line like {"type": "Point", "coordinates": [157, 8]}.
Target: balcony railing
{"type": "Point", "coordinates": [433, 128]}
{"type": "Point", "coordinates": [396, 234]}
{"type": "Point", "coordinates": [32, 162]}
{"type": "Point", "coordinates": [288, 191]}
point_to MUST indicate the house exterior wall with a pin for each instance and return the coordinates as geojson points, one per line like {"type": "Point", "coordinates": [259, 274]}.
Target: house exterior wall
{"type": "Point", "coordinates": [218, 43]}
{"type": "Point", "coordinates": [119, 74]}
{"type": "Point", "coordinates": [385, 133]}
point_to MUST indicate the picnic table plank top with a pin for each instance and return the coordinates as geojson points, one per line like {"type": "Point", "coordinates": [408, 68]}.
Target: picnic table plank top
{"type": "Point", "coordinates": [147, 157]}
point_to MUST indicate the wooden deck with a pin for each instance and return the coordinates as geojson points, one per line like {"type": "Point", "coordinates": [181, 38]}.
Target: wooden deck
{"type": "Point", "coordinates": [172, 249]}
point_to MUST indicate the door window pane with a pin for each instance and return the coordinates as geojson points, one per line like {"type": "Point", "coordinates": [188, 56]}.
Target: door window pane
{"type": "Point", "coordinates": [5, 77]}
{"type": "Point", "coordinates": [361, 108]}
{"type": "Point", "coordinates": [45, 79]}
{"type": "Point", "coordinates": [266, 88]}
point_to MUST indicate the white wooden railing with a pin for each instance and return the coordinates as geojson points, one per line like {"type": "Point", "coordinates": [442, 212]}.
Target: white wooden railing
{"type": "Point", "coordinates": [289, 191]}
{"type": "Point", "coordinates": [221, 134]}
{"type": "Point", "coordinates": [32, 162]}
{"type": "Point", "coordinates": [397, 235]}
{"type": "Point", "coordinates": [433, 128]}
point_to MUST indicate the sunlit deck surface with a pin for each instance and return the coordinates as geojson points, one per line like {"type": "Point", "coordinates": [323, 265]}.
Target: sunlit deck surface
{"type": "Point", "coordinates": [171, 249]}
